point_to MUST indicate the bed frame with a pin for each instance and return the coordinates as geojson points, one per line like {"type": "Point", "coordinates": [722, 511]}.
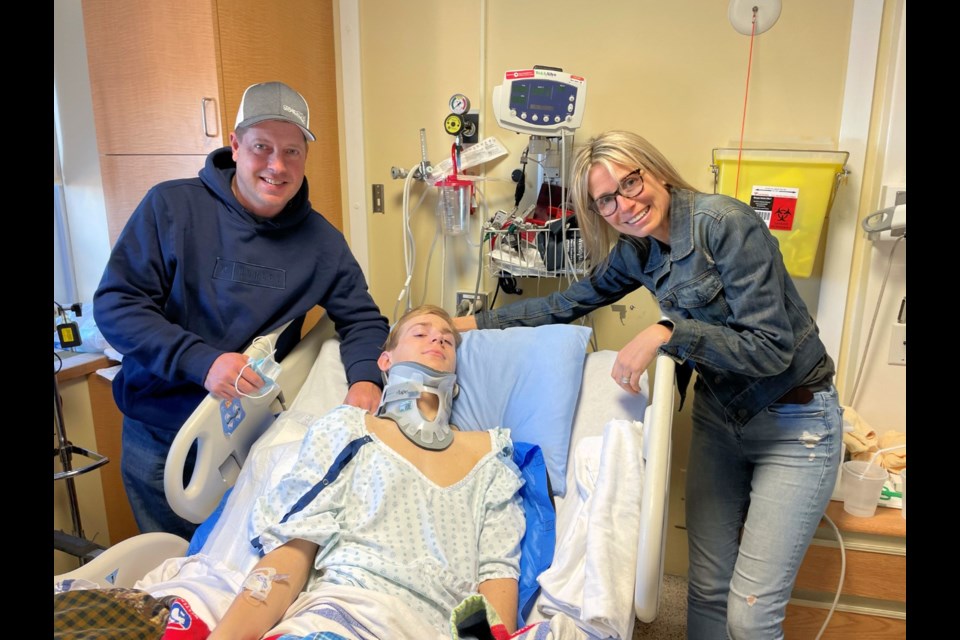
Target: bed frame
{"type": "Point", "coordinates": [221, 455]}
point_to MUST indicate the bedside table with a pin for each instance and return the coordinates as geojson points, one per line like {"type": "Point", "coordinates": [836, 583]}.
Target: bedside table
{"type": "Point", "coordinates": [873, 601]}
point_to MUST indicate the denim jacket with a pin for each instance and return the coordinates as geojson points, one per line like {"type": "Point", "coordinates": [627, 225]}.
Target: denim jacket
{"type": "Point", "coordinates": [737, 315]}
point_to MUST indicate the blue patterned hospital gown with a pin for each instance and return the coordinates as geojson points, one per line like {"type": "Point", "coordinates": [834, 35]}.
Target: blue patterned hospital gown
{"type": "Point", "coordinates": [363, 520]}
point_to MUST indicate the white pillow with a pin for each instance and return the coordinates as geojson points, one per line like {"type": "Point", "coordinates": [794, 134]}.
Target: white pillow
{"type": "Point", "coordinates": [526, 379]}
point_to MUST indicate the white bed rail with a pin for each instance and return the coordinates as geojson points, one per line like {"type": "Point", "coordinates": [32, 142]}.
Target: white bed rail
{"type": "Point", "coordinates": [222, 452]}
{"type": "Point", "coordinates": [658, 421]}
{"type": "Point", "coordinates": [127, 561]}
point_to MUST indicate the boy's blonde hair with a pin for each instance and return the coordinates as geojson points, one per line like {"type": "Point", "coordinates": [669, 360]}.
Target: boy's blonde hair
{"type": "Point", "coordinates": [424, 309]}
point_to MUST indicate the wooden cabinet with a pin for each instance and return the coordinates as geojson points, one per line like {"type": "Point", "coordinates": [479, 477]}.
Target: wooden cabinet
{"type": "Point", "coordinates": [873, 599]}
{"type": "Point", "coordinates": [167, 78]}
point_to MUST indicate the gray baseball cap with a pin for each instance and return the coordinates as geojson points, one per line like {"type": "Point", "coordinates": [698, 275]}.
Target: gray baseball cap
{"type": "Point", "coordinates": [274, 101]}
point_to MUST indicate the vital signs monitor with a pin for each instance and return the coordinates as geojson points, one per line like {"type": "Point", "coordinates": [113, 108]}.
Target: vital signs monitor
{"type": "Point", "coordinates": [542, 101]}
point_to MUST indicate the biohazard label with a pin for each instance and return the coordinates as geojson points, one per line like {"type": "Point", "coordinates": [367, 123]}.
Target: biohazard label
{"type": "Point", "coordinates": [776, 205]}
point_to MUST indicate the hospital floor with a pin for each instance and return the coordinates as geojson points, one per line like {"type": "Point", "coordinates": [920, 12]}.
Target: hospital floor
{"type": "Point", "coordinates": [671, 621]}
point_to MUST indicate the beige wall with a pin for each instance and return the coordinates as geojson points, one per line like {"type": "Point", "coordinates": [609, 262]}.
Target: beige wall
{"type": "Point", "coordinates": [675, 75]}
{"type": "Point", "coordinates": [673, 72]}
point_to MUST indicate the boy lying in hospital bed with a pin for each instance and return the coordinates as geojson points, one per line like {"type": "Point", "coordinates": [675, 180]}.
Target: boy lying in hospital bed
{"type": "Point", "coordinates": [403, 505]}
{"type": "Point", "coordinates": [386, 524]}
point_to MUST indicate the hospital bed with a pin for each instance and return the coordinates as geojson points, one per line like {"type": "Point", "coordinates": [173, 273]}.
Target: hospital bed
{"type": "Point", "coordinates": [312, 382]}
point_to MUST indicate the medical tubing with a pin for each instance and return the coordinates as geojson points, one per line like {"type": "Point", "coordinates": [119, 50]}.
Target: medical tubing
{"type": "Point", "coordinates": [843, 573]}
{"type": "Point", "coordinates": [873, 322]}
{"type": "Point", "coordinates": [483, 97]}
{"type": "Point", "coordinates": [409, 260]}
{"type": "Point", "coordinates": [408, 248]}
{"type": "Point", "coordinates": [482, 198]}
{"type": "Point", "coordinates": [522, 182]}
{"type": "Point", "coordinates": [407, 229]}
{"type": "Point", "coordinates": [476, 286]}
{"type": "Point", "coordinates": [443, 266]}
{"type": "Point", "coordinates": [568, 255]}
{"type": "Point", "coordinates": [438, 232]}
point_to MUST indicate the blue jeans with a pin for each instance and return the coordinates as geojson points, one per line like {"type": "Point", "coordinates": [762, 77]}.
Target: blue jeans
{"type": "Point", "coordinates": [773, 478]}
{"type": "Point", "coordinates": [143, 456]}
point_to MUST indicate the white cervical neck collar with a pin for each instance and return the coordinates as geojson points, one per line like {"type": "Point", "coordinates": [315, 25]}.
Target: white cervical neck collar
{"type": "Point", "coordinates": [405, 382]}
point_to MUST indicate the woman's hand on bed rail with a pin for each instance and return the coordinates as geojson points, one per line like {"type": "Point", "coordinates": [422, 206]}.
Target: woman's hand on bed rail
{"type": "Point", "coordinates": [364, 395]}
{"type": "Point", "coordinates": [637, 355]}
{"type": "Point", "coordinates": [222, 379]}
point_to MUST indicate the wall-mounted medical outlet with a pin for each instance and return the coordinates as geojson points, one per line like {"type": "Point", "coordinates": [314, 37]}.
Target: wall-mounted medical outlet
{"type": "Point", "coordinates": [898, 344]}
{"type": "Point", "coordinates": [478, 300]}
{"type": "Point", "coordinates": [471, 127]}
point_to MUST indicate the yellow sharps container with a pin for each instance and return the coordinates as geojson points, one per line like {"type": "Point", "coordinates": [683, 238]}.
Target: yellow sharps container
{"type": "Point", "coordinates": [792, 190]}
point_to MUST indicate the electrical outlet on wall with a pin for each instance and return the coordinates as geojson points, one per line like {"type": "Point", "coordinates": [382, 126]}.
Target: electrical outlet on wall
{"type": "Point", "coordinates": [479, 300]}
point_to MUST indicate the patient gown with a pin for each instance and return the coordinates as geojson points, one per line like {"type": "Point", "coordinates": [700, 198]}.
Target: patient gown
{"type": "Point", "coordinates": [363, 502]}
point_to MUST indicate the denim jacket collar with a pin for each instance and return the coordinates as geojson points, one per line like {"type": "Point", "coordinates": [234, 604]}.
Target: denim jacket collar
{"type": "Point", "coordinates": [681, 223]}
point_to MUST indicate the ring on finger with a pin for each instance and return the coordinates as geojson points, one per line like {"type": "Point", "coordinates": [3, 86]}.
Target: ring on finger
{"type": "Point", "coordinates": [625, 380]}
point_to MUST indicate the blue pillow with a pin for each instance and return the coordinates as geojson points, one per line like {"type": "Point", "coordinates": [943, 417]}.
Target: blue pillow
{"type": "Point", "coordinates": [526, 379]}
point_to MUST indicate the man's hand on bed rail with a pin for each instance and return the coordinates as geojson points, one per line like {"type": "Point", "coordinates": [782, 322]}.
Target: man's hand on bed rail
{"type": "Point", "coordinates": [637, 355]}
{"type": "Point", "coordinates": [364, 395]}
{"type": "Point", "coordinates": [222, 380]}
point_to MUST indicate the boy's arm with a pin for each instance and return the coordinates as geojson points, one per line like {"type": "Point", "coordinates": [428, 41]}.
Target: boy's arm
{"type": "Point", "coordinates": [249, 617]}
{"type": "Point", "coordinates": [502, 594]}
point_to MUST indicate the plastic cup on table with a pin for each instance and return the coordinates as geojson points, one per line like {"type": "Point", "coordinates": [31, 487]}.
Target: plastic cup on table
{"type": "Point", "coordinates": [862, 485]}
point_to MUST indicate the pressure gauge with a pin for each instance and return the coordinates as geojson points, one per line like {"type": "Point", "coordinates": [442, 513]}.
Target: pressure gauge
{"type": "Point", "coordinates": [459, 104]}
{"type": "Point", "coordinates": [453, 124]}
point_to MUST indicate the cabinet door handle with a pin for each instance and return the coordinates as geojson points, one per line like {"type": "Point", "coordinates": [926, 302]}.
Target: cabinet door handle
{"type": "Point", "coordinates": [203, 117]}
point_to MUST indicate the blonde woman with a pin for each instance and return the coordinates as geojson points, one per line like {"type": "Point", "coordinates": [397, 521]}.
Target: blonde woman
{"type": "Point", "coordinates": [766, 421]}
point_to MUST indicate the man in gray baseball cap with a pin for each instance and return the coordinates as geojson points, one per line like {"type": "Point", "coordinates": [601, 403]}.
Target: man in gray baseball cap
{"type": "Point", "coordinates": [274, 101]}
{"type": "Point", "coordinates": [207, 264]}
{"type": "Point", "coordinates": [274, 116]}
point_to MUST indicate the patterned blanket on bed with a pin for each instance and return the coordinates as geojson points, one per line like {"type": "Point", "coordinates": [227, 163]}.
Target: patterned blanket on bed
{"type": "Point", "coordinates": [108, 614]}
{"type": "Point", "coordinates": [128, 614]}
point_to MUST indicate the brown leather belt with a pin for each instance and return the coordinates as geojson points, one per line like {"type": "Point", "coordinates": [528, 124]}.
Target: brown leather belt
{"type": "Point", "coordinates": [797, 395]}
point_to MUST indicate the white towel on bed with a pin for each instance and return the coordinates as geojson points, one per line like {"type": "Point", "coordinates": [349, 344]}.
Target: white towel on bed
{"type": "Point", "coordinates": [592, 577]}
{"type": "Point", "coordinates": [207, 584]}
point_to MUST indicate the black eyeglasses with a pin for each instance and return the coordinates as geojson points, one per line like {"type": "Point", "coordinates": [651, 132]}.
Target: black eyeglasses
{"type": "Point", "coordinates": [630, 186]}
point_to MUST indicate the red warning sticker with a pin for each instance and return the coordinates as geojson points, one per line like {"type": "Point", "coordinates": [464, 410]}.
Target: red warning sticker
{"type": "Point", "coordinates": [776, 205]}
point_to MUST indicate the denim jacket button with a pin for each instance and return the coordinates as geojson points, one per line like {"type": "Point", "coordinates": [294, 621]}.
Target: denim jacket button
{"type": "Point", "coordinates": [718, 379]}
{"type": "Point", "coordinates": [667, 303]}
{"type": "Point", "coordinates": [741, 412]}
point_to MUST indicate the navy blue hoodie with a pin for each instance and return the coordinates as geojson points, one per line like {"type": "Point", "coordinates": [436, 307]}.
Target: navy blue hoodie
{"type": "Point", "coordinates": [194, 275]}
